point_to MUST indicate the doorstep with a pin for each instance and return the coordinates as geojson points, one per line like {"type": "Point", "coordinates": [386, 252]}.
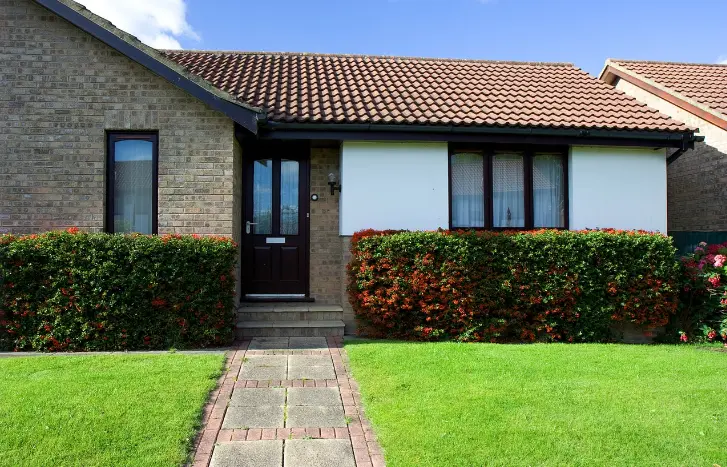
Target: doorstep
{"type": "Point", "coordinates": [289, 320]}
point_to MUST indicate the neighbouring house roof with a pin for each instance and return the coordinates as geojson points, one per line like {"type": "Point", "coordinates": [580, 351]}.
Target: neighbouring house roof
{"type": "Point", "coordinates": [696, 87]}
{"type": "Point", "coordinates": [349, 89]}
{"type": "Point", "coordinates": [103, 30]}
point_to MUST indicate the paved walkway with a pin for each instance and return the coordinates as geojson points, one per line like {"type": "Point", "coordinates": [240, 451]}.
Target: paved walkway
{"type": "Point", "coordinates": [287, 401]}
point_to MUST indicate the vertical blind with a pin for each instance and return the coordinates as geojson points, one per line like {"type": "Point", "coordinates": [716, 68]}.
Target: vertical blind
{"type": "Point", "coordinates": [548, 192]}
{"type": "Point", "coordinates": [133, 186]}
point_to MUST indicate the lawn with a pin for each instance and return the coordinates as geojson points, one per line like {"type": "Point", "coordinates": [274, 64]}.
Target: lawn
{"type": "Point", "coordinates": [544, 404]}
{"type": "Point", "coordinates": [103, 410]}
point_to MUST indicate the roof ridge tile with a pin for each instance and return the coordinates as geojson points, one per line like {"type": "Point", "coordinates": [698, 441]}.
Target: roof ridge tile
{"type": "Point", "coordinates": [400, 58]}
{"type": "Point", "coordinates": [659, 62]}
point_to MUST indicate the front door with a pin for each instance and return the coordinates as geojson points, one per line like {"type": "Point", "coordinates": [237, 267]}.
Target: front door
{"type": "Point", "coordinates": [275, 220]}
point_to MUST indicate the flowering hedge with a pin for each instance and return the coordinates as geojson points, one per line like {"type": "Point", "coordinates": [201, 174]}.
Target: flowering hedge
{"type": "Point", "coordinates": [92, 291]}
{"type": "Point", "coordinates": [511, 286]}
{"type": "Point", "coordinates": [703, 310]}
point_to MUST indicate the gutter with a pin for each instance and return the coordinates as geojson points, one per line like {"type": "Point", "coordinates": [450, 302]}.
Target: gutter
{"type": "Point", "coordinates": [683, 140]}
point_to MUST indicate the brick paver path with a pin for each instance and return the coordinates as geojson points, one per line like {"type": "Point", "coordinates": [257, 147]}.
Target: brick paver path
{"type": "Point", "coordinates": [286, 401]}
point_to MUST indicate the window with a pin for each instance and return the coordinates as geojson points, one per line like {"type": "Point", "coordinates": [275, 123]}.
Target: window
{"type": "Point", "coordinates": [507, 189]}
{"type": "Point", "coordinates": [132, 183]}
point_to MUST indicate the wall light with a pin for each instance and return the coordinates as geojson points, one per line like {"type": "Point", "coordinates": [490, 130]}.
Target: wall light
{"type": "Point", "coordinates": [332, 183]}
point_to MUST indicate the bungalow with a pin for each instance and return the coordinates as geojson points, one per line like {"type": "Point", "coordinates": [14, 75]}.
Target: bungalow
{"type": "Point", "coordinates": [696, 95]}
{"type": "Point", "coordinates": [290, 154]}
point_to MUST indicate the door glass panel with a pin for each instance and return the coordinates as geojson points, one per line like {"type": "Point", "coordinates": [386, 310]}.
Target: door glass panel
{"type": "Point", "coordinates": [262, 197]}
{"type": "Point", "coordinates": [133, 187]}
{"type": "Point", "coordinates": [289, 197]}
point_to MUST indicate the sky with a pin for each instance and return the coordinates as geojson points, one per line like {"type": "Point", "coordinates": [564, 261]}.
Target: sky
{"type": "Point", "coordinates": [582, 32]}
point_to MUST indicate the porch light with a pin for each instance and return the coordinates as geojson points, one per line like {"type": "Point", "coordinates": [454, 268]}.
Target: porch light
{"type": "Point", "coordinates": [332, 183]}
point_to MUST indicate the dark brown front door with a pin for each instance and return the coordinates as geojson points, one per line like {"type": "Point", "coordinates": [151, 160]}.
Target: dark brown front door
{"type": "Point", "coordinates": [275, 220]}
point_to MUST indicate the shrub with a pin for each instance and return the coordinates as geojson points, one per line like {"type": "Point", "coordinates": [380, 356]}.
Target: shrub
{"type": "Point", "coordinates": [702, 315]}
{"type": "Point", "coordinates": [93, 291]}
{"type": "Point", "coordinates": [511, 286]}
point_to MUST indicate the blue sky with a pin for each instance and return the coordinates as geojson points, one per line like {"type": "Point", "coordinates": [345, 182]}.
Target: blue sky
{"type": "Point", "coordinates": [583, 32]}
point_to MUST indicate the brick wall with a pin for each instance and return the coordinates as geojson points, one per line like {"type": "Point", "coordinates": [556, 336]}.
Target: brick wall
{"type": "Point", "coordinates": [237, 202]}
{"type": "Point", "coordinates": [697, 190]}
{"type": "Point", "coordinates": [325, 242]}
{"type": "Point", "coordinates": [329, 252]}
{"type": "Point", "coordinates": [348, 316]}
{"type": "Point", "coordinates": [60, 90]}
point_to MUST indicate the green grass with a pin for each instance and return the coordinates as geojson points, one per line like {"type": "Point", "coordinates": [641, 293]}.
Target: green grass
{"type": "Point", "coordinates": [544, 404]}
{"type": "Point", "coordinates": [103, 410]}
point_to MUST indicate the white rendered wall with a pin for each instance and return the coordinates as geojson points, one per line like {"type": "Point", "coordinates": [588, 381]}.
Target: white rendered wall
{"type": "Point", "coordinates": [622, 188]}
{"type": "Point", "coordinates": [713, 135]}
{"type": "Point", "coordinates": [394, 185]}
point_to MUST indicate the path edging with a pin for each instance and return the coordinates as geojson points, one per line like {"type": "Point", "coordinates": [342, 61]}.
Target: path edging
{"type": "Point", "coordinates": [366, 449]}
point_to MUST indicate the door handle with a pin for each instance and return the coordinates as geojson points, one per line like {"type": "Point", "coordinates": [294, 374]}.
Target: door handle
{"type": "Point", "coordinates": [247, 226]}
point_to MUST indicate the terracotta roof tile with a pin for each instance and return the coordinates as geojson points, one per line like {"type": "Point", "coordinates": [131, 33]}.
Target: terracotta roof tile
{"type": "Point", "coordinates": [396, 90]}
{"type": "Point", "coordinates": [705, 83]}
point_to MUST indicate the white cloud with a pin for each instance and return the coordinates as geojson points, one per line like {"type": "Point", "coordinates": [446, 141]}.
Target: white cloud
{"type": "Point", "coordinates": [722, 59]}
{"type": "Point", "coordinates": [158, 23]}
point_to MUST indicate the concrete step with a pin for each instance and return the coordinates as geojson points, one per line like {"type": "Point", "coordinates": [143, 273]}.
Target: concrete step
{"type": "Point", "coordinates": [289, 312]}
{"type": "Point", "coordinates": [289, 315]}
{"type": "Point", "coordinates": [287, 306]}
{"type": "Point", "coordinates": [293, 328]}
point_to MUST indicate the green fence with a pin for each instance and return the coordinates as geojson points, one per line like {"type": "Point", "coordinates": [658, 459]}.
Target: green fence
{"type": "Point", "coordinates": [687, 241]}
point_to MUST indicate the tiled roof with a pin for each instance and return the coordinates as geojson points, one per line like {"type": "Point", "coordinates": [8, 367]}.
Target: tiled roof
{"type": "Point", "coordinates": [315, 88]}
{"type": "Point", "coordinates": [705, 83]}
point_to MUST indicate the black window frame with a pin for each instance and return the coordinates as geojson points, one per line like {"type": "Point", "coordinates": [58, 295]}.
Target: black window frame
{"type": "Point", "coordinates": [113, 137]}
{"type": "Point", "coordinates": [488, 152]}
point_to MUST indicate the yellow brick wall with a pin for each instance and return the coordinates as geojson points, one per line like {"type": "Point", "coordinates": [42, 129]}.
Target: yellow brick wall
{"type": "Point", "coordinates": [60, 91]}
{"type": "Point", "coordinates": [325, 242]}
